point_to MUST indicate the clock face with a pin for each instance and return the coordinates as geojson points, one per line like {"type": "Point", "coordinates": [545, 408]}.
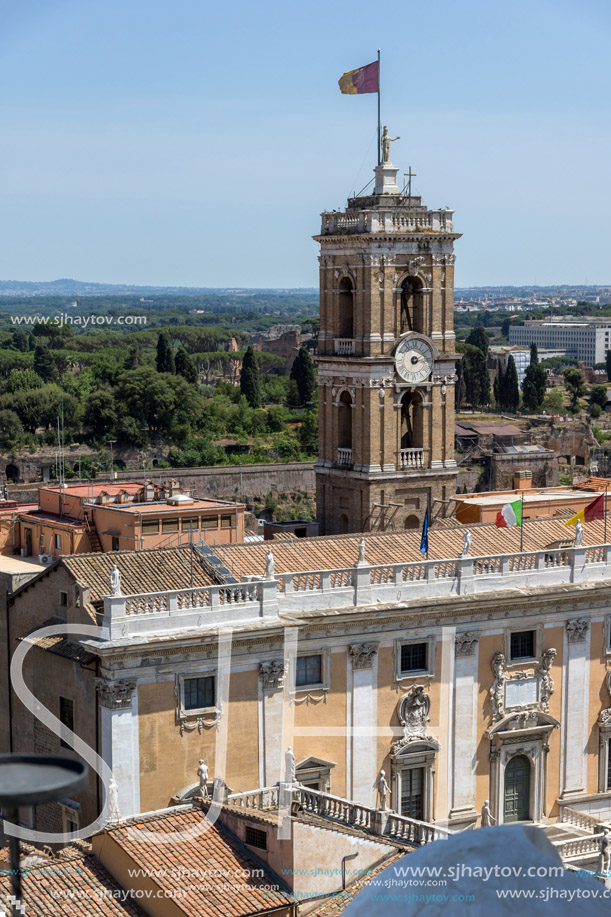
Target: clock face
{"type": "Point", "coordinates": [413, 360]}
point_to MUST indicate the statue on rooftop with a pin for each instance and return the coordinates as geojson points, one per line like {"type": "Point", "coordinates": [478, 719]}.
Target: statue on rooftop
{"type": "Point", "coordinates": [269, 564]}
{"type": "Point", "coordinates": [289, 765]}
{"type": "Point", "coordinates": [383, 789]}
{"type": "Point", "coordinates": [386, 142]}
{"type": "Point", "coordinates": [361, 558]}
{"type": "Point", "coordinates": [113, 801]}
{"type": "Point", "coordinates": [115, 581]}
{"type": "Point", "coordinates": [466, 544]}
{"type": "Point", "coordinates": [202, 773]}
{"type": "Point", "coordinates": [578, 533]}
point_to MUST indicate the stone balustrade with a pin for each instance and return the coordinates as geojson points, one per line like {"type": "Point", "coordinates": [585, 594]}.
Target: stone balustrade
{"type": "Point", "coordinates": [264, 599]}
{"type": "Point", "coordinates": [579, 847]}
{"type": "Point", "coordinates": [395, 221]}
{"type": "Point", "coordinates": [570, 816]}
{"type": "Point", "coordinates": [411, 458]}
{"type": "Point", "coordinates": [344, 457]}
{"type": "Point", "coordinates": [265, 797]}
{"type": "Point", "coordinates": [344, 347]}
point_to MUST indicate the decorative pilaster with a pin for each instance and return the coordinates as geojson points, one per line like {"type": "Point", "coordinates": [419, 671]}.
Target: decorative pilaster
{"type": "Point", "coordinates": [272, 674]}
{"type": "Point", "coordinates": [576, 685]}
{"type": "Point", "coordinates": [120, 749]}
{"type": "Point", "coordinates": [464, 730]}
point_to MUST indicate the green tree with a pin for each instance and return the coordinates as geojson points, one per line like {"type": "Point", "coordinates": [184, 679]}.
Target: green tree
{"type": "Point", "coordinates": [479, 338]}
{"type": "Point", "coordinates": [100, 413]}
{"type": "Point", "coordinates": [505, 327]}
{"type": "Point", "coordinates": [574, 383]}
{"type": "Point", "coordinates": [598, 395]}
{"type": "Point", "coordinates": [250, 385]}
{"type": "Point", "coordinates": [534, 354]}
{"type": "Point", "coordinates": [304, 374]}
{"type": "Point", "coordinates": [21, 341]}
{"type": "Point", "coordinates": [475, 375]}
{"type": "Point", "coordinates": [510, 387]}
{"type": "Point", "coordinates": [608, 363]}
{"type": "Point", "coordinates": [553, 402]}
{"type": "Point", "coordinates": [10, 424]}
{"type": "Point", "coordinates": [44, 364]}
{"type": "Point", "coordinates": [23, 380]}
{"type": "Point", "coordinates": [533, 388]}
{"type": "Point", "coordinates": [185, 366]}
{"type": "Point", "coordinates": [498, 387]}
{"type": "Point", "coordinates": [165, 355]}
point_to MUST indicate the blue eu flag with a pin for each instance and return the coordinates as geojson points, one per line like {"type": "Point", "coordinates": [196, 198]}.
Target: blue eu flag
{"type": "Point", "coordinates": [424, 541]}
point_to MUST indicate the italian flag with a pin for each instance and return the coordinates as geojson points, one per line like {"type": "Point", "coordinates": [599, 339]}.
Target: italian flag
{"type": "Point", "coordinates": [511, 514]}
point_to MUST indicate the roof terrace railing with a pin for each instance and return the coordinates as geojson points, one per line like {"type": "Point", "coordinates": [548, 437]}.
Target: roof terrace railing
{"type": "Point", "coordinates": [269, 597]}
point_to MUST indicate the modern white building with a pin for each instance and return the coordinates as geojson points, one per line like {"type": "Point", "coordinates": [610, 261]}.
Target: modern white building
{"type": "Point", "coordinates": [587, 341]}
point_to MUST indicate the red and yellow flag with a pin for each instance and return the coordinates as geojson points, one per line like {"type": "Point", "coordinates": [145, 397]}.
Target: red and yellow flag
{"type": "Point", "coordinates": [594, 510]}
{"type": "Point", "coordinates": [364, 79]}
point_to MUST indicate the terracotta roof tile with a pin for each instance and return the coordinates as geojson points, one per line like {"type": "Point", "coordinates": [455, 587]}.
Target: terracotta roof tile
{"type": "Point", "coordinates": [75, 885]}
{"type": "Point", "coordinates": [446, 541]}
{"type": "Point", "coordinates": [220, 874]}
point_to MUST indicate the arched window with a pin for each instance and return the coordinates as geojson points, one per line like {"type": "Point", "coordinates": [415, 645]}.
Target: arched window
{"type": "Point", "coordinates": [344, 422]}
{"type": "Point", "coordinates": [12, 473]}
{"type": "Point", "coordinates": [344, 526]}
{"type": "Point", "coordinates": [412, 522]}
{"type": "Point", "coordinates": [412, 306]}
{"type": "Point", "coordinates": [346, 309]}
{"type": "Point", "coordinates": [411, 421]}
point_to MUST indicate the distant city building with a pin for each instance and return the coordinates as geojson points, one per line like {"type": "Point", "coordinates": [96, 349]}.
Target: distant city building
{"type": "Point", "coordinates": [500, 356]}
{"type": "Point", "coordinates": [587, 341]}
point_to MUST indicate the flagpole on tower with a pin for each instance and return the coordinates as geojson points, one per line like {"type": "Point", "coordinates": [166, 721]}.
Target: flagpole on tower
{"type": "Point", "coordinates": [379, 119]}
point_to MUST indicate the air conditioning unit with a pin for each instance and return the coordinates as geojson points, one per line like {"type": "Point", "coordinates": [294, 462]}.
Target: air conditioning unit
{"type": "Point", "coordinates": [45, 558]}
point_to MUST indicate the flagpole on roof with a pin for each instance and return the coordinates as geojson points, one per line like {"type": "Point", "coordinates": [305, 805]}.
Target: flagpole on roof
{"type": "Point", "coordinates": [606, 489]}
{"type": "Point", "coordinates": [379, 119]}
{"type": "Point", "coordinates": [522, 522]}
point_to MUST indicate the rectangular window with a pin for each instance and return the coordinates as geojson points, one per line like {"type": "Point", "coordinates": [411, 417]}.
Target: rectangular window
{"type": "Point", "coordinates": [150, 526]}
{"type": "Point", "coordinates": [191, 524]}
{"type": "Point", "coordinates": [609, 764]}
{"type": "Point", "coordinates": [414, 657]}
{"type": "Point", "coordinates": [255, 837]}
{"type": "Point", "coordinates": [199, 692]}
{"type": "Point", "coordinates": [58, 542]}
{"type": "Point", "coordinates": [210, 522]}
{"type": "Point", "coordinates": [309, 670]}
{"type": "Point", "coordinates": [169, 525]}
{"type": "Point", "coordinates": [226, 522]}
{"type": "Point", "coordinates": [115, 543]}
{"type": "Point", "coordinates": [66, 715]}
{"type": "Point", "coordinates": [522, 645]}
{"type": "Point", "coordinates": [63, 598]}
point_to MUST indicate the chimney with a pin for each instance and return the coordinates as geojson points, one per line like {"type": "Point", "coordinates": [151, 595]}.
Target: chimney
{"type": "Point", "coordinates": [522, 480]}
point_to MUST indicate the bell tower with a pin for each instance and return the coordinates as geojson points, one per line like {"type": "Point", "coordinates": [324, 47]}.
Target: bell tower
{"type": "Point", "coordinates": [386, 361]}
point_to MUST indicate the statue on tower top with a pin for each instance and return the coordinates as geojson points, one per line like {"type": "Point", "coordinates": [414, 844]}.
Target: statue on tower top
{"type": "Point", "coordinates": [386, 142]}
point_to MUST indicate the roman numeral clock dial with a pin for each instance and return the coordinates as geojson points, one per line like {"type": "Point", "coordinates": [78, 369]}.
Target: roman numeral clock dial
{"type": "Point", "coordinates": [413, 360]}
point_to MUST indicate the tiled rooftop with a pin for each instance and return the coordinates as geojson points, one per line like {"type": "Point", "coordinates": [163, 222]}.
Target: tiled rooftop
{"type": "Point", "coordinates": [338, 551]}
{"type": "Point", "coordinates": [73, 884]}
{"type": "Point", "coordinates": [222, 879]}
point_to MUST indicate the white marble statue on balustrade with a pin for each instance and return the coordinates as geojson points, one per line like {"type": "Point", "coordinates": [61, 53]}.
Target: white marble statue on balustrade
{"type": "Point", "coordinates": [115, 581]}
{"type": "Point", "coordinates": [386, 142]}
{"type": "Point", "coordinates": [383, 790]}
{"type": "Point", "coordinates": [605, 852]}
{"type": "Point", "coordinates": [466, 544]}
{"type": "Point", "coordinates": [361, 558]}
{"type": "Point", "coordinates": [578, 534]}
{"type": "Point", "coordinates": [202, 773]}
{"type": "Point", "coordinates": [269, 564]}
{"type": "Point", "coordinates": [289, 765]}
{"type": "Point", "coordinates": [488, 818]}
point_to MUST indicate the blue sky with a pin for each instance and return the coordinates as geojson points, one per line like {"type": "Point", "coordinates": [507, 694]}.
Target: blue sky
{"type": "Point", "coordinates": [195, 142]}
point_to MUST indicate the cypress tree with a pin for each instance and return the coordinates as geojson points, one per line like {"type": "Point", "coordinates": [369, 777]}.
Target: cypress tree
{"type": "Point", "coordinates": [44, 364]}
{"type": "Point", "coordinates": [478, 338]}
{"type": "Point", "coordinates": [165, 356]}
{"type": "Point", "coordinates": [250, 385]}
{"type": "Point", "coordinates": [498, 388]}
{"type": "Point", "coordinates": [304, 375]}
{"type": "Point", "coordinates": [534, 354]}
{"type": "Point", "coordinates": [608, 360]}
{"type": "Point", "coordinates": [185, 366]}
{"type": "Point", "coordinates": [510, 387]}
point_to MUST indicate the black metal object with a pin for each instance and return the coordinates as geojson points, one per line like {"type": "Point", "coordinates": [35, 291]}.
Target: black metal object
{"type": "Point", "coordinates": [28, 780]}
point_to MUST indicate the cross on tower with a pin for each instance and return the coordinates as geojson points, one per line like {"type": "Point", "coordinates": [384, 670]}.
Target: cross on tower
{"type": "Point", "coordinates": [409, 175]}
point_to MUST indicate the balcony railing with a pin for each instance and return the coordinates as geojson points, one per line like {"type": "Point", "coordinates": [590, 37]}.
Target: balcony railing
{"type": "Point", "coordinates": [344, 457]}
{"type": "Point", "coordinates": [411, 459]}
{"type": "Point", "coordinates": [344, 347]}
